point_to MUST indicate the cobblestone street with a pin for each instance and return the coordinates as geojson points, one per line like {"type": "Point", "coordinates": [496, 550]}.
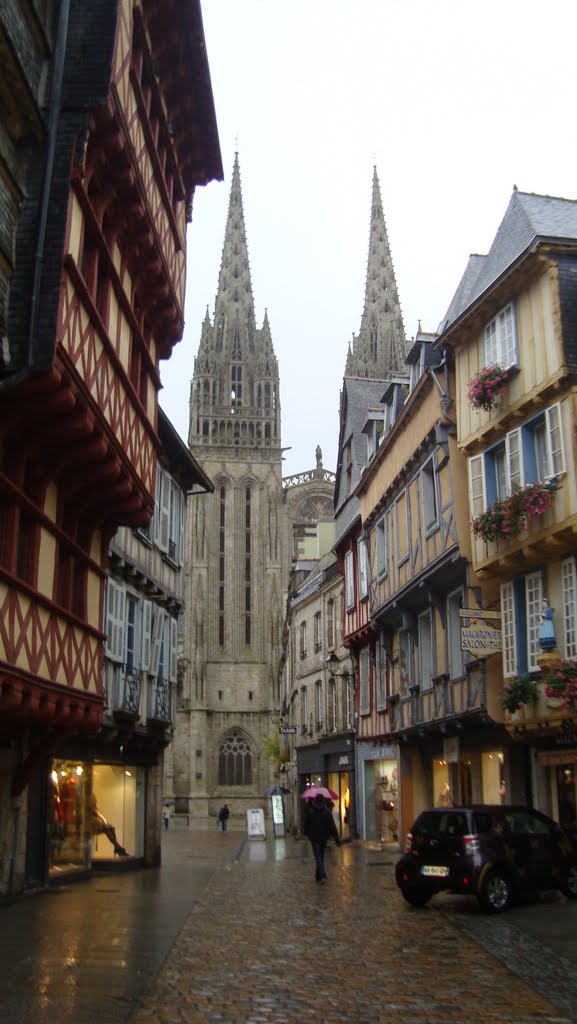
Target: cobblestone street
{"type": "Point", "coordinates": [237, 932]}
{"type": "Point", "coordinates": [266, 943]}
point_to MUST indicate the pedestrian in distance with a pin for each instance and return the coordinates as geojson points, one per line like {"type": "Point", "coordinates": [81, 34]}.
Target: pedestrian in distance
{"type": "Point", "coordinates": [223, 816]}
{"type": "Point", "coordinates": [166, 816]}
{"type": "Point", "coordinates": [319, 826]}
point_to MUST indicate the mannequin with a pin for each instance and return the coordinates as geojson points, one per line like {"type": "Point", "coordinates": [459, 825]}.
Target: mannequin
{"type": "Point", "coordinates": [100, 826]}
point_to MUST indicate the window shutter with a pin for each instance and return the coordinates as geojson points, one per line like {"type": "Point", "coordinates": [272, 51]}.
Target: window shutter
{"type": "Point", "coordinates": [157, 631]}
{"type": "Point", "coordinates": [164, 512]}
{"type": "Point", "coordinates": [515, 474]}
{"type": "Point", "coordinates": [477, 485]}
{"type": "Point", "coordinates": [146, 635]}
{"type": "Point", "coordinates": [181, 550]}
{"type": "Point", "coordinates": [555, 446]}
{"type": "Point", "coordinates": [115, 601]}
{"type": "Point", "coordinates": [569, 582]}
{"type": "Point", "coordinates": [533, 603]}
{"type": "Point", "coordinates": [173, 651]}
{"type": "Point", "coordinates": [508, 626]}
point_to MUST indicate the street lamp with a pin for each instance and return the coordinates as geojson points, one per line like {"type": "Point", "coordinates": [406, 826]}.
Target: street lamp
{"type": "Point", "coordinates": [332, 663]}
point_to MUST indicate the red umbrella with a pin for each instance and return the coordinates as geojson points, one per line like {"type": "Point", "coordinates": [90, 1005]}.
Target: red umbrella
{"type": "Point", "coordinates": [312, 791]}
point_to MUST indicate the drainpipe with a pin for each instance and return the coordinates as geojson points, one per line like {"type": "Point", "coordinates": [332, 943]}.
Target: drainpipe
{"type": "Point", "coordinates": [54, 117]}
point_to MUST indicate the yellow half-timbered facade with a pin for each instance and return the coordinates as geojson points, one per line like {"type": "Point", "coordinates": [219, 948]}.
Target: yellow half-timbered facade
{"type": "Point", "coordinates": [429, 696]}
{"type": "Point", "coordinates": [512, 329]}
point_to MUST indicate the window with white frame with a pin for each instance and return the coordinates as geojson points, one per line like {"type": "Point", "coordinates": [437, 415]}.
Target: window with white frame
{"type": "Point", "coordinates": [364, 681]}
{"type": "Point", "coordinates": [521, 605]}
{"type": "Point", "coordinates": [317, 632]}
{"type": "Point", "coordinates": [569, 587]}
{"type": "Point", "coordinates": [349, 580]}
{"type": "Point", "coordinates": [429, 496]}
{"type": "Point", "coordinates": [320, 706]}
{"type": "Point", "coordinates": [381, 547]}
{"type": "Point", "coordinates": [533, 601]}
{"type": "Point", "coordinates": [501, 338]}
{"type": "Point", "coordinates": [381, 673]}
{"type": "Point", "coordinates": [509, 630]}
{"type": "Point", "coordinates": [456, 659]}
{"type": "Point", "coordinates": [533, 452]}
{"type": "Point", "coordinates": [363, 569]}
{"type": "Point", "coordinates": [425, 630]}
{"type": "Point", "coordinates": [168, 520]}
{"type": "Point", "coordinates": [303, 639]}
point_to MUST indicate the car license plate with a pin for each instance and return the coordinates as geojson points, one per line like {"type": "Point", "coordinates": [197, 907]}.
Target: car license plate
{"type": "Point", "coordinates": [436, 870]}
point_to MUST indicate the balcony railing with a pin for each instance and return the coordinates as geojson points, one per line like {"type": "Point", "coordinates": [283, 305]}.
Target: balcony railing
{"type": "Point", "coordinates": [126, 691]}
{"type": "Point", "coordinates": [160, 701]}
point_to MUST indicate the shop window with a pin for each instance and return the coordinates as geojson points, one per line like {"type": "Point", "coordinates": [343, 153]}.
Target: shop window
{"type": "Point", "coordinates": [234, 760]}
{"type": "Point", "coordinates": [117, 811]}
{"type": "Point", "coordinates": [69, 826]}
{"type": "Point", "coordinates": [492, 777]}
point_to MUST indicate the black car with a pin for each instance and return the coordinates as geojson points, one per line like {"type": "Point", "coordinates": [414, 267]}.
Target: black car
{"type": "Point", "coordinates": [492, 852]}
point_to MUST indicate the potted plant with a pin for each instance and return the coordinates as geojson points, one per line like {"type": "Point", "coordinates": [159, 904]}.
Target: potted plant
{"type": "Point", "coordinates": [486, 385]}
{"type": "Point", "coordinates": [506, 517]}
{"type": "Point", "coordinates": [517, 692]}
{"type": "Point", "coordinates": [560, 678]}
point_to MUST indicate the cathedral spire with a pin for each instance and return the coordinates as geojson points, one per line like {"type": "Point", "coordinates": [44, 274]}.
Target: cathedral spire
{"type": "Point", "coordinates": [235, 388]}
{"type": "Point", "coordinates": [379, 349]}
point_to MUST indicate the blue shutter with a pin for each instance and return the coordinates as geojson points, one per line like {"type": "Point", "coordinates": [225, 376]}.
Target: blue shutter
{"type": "Point", "coordinates": [521, 621]}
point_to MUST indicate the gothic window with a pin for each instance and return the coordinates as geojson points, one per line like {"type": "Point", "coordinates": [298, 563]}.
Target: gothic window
{"type": "Point", "coordinates": [221, 574]}
{"type": "Point", "coordinates": [259, 396]}
{"type": "Point", "coordinates": [267, 402]}
{"type": "Point", "coordinates": [234, 760]}
{"type": "Point", "coordinates": [247, 566]}
{"type": "Point", "coordinates": [235, 386]}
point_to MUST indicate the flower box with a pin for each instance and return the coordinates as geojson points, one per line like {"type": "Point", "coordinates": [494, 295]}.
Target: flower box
{"type": "Point", "coordinates": [560, 678]}
{"type": "Point", "coordinates": [506, 517]}
{"type": "Point", "coordinates": [485, 387]}
{"type": "Point", "coordinates": [518, 693]}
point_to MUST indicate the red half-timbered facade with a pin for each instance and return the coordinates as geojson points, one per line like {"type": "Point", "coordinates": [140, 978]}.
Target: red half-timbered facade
{"type": "Point", "coordinates": [94, 300]}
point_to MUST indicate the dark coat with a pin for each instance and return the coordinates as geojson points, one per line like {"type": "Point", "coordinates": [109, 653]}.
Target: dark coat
{"type": "Point", "coordinates": [320, 825]}
{"type": "Point", "coordinates": [224, 813]}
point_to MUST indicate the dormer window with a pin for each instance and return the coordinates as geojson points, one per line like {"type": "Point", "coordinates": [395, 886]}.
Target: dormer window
{"type": "Point", "coordinates": [501, 339]}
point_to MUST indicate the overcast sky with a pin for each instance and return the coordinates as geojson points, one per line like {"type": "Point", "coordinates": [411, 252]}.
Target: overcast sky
{"type": "Point", "coordinates": [454, 102]}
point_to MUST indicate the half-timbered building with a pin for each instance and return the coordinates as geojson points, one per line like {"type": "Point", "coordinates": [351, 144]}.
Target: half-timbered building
{"type": "Point", "coordinates": [109, 129]}
{"type": "Point", "coordinates": [428, 697]}
{"type": "Point", "coordinates": [513, 329]}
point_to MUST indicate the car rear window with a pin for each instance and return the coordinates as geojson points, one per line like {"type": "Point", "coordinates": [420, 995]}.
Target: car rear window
{"type": "Point", "coordinates": [441, 824]}
{"type": "Point", "coordinates": [483, 822]}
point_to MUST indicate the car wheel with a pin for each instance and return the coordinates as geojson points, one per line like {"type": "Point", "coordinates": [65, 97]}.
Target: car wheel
{"type": "Point", "coordinates": [496, 892]}
{"type": "Point", "coordinates": [416, 896]}
{"type": "Point", "coordinates": [569, 884]}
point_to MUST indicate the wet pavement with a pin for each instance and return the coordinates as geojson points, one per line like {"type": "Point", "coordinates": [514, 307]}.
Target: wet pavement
{"type": "Point", "coordinates": [238, 932]}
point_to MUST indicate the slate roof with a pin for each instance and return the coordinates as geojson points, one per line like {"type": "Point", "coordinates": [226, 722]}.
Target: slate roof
{"type": "Point", "coordinates": [359, 395]}
{"type": "Point", "coordinates": [529, 218]}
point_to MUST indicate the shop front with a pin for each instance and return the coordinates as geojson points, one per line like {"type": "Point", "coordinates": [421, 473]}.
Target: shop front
{"type": "Point", "coordinates": [95, 814]}
{"type": "Point", "coordinates": [331, 763]}
{"type": "Point", "coordinates": [378, 791]}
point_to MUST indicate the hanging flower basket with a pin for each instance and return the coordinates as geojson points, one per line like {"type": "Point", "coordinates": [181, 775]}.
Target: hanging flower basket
{"type": "Point", "coordinates": [517, 692]}
{"type": "Point", "coordinates": [486, 385]}
{"type": "Point", "coordinates": [506, 517]}
{"type": "Point", "coordinates": [560, 678]}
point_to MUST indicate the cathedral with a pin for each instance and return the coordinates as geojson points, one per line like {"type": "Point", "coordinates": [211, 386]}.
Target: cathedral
{"type": "Point", "coordinates": [238, 550]}
{"type": "Point", "coordinates": [253, 538]}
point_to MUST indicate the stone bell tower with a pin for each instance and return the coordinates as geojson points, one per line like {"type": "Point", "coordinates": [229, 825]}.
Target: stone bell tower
{"type": "Point", "coordinates": [238, 550]}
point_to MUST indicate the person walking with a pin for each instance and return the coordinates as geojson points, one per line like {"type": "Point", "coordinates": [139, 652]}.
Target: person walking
{"type": "Point", "coordinates": [223, 816]}
{"type": "Point", "coordinates": [166, 816]}
{"type": "Point", "coordinates": [319, 827]}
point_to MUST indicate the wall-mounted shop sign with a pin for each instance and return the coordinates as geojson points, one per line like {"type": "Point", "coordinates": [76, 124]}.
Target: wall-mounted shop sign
{"type": "Point", "coordinates": [481, 641]}
{"type": "Point", "coordinates": [287, 730]}
{"type": "Point", "coordinates": [478, 613]}
{"type": "Point", "coordinates": [344, 761]}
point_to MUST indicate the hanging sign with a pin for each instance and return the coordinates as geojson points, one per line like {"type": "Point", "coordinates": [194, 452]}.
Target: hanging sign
{"type": "Point", "coordinates": [481, 640]}
{"type": "Point", "coordinates": [478, 613]}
